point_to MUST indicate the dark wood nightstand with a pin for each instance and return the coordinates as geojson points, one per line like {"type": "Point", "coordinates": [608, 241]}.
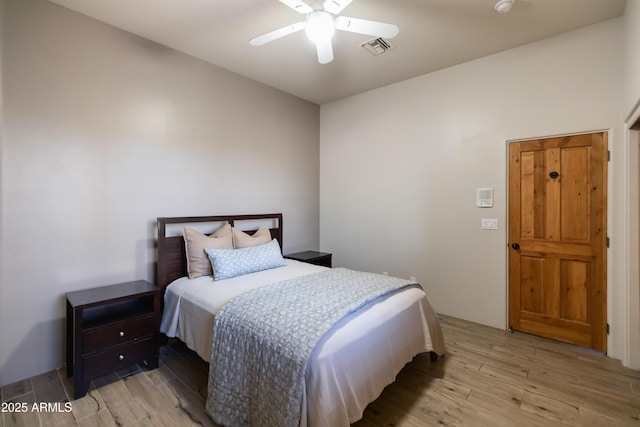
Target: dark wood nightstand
{"type": "Point", "coordinates": [312, 257]}
{"type": "Point", "coordinates": [110, 328]}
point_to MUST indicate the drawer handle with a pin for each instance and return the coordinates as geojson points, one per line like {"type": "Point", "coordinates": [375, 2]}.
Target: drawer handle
{"type": "Point", "coordinates": [121, 357]}
{"type": "Point", "coordinates": [121, 333]}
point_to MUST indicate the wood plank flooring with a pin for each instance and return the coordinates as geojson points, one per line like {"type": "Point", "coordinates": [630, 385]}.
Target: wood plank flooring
{"type": "Point", "coordinates": [488, 378]}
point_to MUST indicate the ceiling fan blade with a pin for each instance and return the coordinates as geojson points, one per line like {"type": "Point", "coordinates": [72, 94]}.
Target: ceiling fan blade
{"type": "Point", "coordinates": [336, 6]}
{"type": "Point", "coordinates": [325, 51]}
{"type": "Point", "coordinates": [298, 6]}
{"type": "Point", "coordinates": [276, 34]}
{"type": "Point", "coordinates": [364, 26]}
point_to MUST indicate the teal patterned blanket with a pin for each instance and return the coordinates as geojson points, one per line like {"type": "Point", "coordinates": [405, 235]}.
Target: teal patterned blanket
{"type": "Point", "coordinates": [263, 338]}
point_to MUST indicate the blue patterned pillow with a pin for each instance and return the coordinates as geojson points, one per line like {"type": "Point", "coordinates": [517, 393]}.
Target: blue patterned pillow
{"type": "Point", "coordinates": [228, 263]}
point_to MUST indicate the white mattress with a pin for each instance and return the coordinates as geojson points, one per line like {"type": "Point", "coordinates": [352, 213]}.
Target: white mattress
{"type": "Point", "coordinates": [350, 366]}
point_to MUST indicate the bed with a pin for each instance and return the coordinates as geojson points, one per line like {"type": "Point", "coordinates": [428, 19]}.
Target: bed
{"type": "Point", "coordinates": [343, 372]}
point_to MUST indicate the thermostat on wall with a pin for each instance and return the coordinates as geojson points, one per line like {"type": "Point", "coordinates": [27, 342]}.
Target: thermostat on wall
{"type": "Point", "coordinates": [484, 197]}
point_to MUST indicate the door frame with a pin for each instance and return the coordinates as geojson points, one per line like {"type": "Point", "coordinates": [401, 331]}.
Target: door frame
{"type": "Point", "coordinates": [608, 222]}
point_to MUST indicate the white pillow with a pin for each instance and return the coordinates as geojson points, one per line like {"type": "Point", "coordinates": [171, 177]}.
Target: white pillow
{"type": "Point", "coordinates": [228, 263]}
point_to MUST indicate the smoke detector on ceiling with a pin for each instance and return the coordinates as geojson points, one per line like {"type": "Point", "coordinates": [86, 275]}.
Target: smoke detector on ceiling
{"type": "Point", "coordinates": [504, 6]}
{"type": "Point", "coordinates": [377, 46]}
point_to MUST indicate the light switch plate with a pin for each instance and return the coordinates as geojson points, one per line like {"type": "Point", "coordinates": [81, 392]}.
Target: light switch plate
{"type": "Point", "coordinates": [489, 224]}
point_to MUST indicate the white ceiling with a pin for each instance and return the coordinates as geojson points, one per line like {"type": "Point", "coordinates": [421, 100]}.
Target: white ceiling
{"type": "Point", "coordinates": [434, 34]}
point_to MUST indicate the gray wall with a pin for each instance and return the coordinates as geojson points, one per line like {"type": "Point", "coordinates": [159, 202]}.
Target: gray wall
{"type": "Point", "coordinates": [102, 132]}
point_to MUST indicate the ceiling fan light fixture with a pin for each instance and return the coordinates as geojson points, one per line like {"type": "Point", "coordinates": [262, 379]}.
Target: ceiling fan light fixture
{"type": "Point", "coordinates": [320, 26]}
{"type": "Point", "coordinates": [322, 19]}
{"type": "Point", "coordinates": [504, 6]}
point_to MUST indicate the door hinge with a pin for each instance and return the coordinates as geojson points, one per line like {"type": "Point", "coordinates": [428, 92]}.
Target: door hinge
{"type": "Point", "coordinates": [607, 329]}
{"type": "Point", "coordinates": [608, 155]}
{"type": "Point", "coordinates": [608, 242]}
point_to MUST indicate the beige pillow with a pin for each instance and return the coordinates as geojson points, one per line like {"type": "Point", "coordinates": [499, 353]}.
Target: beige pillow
{"type": "Point", "coordinates": [198, 263]}
{"type": "Point", "coordinates": [244, 240]}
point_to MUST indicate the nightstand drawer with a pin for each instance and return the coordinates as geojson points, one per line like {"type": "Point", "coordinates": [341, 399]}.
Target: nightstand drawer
{"type": "Point", "coordinates": [118, 357]}
{"type": "Point", "coordinates": [324, 261]}
{"type": "Point", "coordinates": [118, 333]}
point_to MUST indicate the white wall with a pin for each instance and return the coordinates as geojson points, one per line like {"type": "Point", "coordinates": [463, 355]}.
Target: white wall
{"type": "Point", "coordinates": [630, 186]}
{"type": "Point", "coordinates": [102, 133]}
{"type": "Point", "coordinates": [632, 57]}
{"type": "Point", "coordinates": [400, 165]}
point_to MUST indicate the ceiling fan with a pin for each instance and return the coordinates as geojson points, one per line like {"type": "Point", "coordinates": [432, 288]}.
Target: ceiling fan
{"type": "Point", "coordinates": [321, 22]}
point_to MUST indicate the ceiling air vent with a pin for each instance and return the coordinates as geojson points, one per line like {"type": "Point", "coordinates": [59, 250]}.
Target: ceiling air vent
{"type": "Point", "coordinates": [377, 46]}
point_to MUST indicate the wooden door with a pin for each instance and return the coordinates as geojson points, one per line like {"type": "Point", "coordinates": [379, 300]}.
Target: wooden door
{"type": "Point", "coordinates": [558, 238]}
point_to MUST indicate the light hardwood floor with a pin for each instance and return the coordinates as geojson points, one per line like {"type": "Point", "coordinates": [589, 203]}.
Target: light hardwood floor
{"type": "Point", "coordinates": [488, 378]}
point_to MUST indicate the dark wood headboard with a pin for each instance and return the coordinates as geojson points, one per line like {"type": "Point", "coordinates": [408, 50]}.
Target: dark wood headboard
{"type": "Point", "coordinates": [172, 260]}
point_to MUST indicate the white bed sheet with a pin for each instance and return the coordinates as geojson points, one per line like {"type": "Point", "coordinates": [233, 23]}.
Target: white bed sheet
{"type": "Point", "coordinates": [351, 365]}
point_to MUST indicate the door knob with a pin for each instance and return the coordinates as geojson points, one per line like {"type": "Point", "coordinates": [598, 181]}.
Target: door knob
{"type": "Point", "coordinates": [515, 246]}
